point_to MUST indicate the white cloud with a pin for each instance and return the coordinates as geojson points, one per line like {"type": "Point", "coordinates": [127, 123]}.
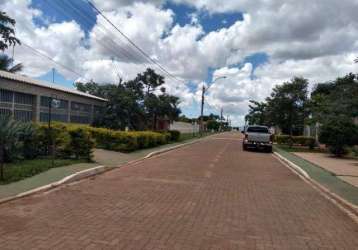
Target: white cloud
{"type": "Point", "coordinates": [317, 40]}
{"type": "Point", "coordinates": [234, 92]}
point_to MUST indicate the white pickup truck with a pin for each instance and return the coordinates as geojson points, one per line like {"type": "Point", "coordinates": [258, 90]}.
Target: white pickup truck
{"type": "Point", "coordinates": [257, 137]}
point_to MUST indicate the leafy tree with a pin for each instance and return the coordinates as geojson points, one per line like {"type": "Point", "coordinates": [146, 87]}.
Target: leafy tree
{"type": "Point", "coordinates": [213, 125]}
{"type": "Point", "coordinates": [150, 80]}
{"type": "Point", "coordinates": [10, 131]}
{"type": "Point", "coordinates": [339, 97]}
{"type": "Point", "coordinates": [6, 64]}
{"type": "Point", "coordinates": [183, 118]}
{"type": "Point", "coordinates": [135, 103]}
{"type": "Point", "coordinates": [7, 32]}
{"type": "Point", "coordinates": [257, 113]}
{"type": "Point", "coordinates": [338, 133]}
{"type": "Point", "coordinates": [287, 106]}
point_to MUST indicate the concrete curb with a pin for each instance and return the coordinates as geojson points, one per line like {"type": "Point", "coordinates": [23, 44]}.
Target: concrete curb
{"type": "Point", "coordinates": [348, 208]}
{"type": "Point", "coordinates": [68, 179]}
{"type": "Point", "coordinates": [292, 165]}
{"type": "Point", "coordinates": [90, 172]}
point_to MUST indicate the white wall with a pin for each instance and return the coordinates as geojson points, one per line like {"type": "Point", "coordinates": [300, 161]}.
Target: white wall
{"type": "Point", "coordinates": [185, 127]}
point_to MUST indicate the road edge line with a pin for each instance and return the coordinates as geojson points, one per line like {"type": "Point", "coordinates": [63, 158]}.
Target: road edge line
{"type": "Point", "coordinates": [345, 206]}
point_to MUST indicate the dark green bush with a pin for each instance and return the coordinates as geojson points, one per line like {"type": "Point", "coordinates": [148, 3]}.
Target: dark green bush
{"type": "Point", "coordinates": [174, 135]}
{"type": "Point", "coordinates": [81, 144]}
{"type": "Point", "coordinates": [338, 133]}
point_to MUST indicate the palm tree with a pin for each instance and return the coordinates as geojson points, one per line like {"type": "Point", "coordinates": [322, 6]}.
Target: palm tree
{"type": "Point", "coordinates": [10, 131]}
{"type": "Point", "coordinates": [6, 64]}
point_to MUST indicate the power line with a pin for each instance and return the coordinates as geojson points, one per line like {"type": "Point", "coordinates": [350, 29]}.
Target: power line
{"type": "Point", "coordinates": [101, 43]}
{"type": "Point", "coordinates": [132, 43]}
{"type": "Point", "coordinates": [49, 58]}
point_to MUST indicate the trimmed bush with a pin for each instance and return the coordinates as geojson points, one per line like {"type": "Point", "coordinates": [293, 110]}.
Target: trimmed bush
{"type": "Point", "coordinates": [306, 141]}
{"type": "Point", "coordinates": [81, 144]}
{"type": "Point", "coordinates": [174, 135]}
{"type": "Point", "coordinates": [127, 141]}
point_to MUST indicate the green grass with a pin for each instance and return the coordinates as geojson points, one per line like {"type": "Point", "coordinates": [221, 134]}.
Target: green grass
{"type": "Point", "coordinates": [300, 149]}
{"type": "Point", "coordinates": [325, 178]}
{"type": "Point", "coordinates": [23, 169]}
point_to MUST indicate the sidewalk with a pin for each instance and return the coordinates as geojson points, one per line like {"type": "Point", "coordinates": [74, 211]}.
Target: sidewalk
{"type": "Point", "coordinates": [344, 169]}
{"type": "Point", "coordinates": [101, 157]}
{"type": "Point", "coordinates": [324, 177]}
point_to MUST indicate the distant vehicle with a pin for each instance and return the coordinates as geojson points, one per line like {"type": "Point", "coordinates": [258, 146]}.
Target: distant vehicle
{"type": "Point", "coordinates": [257, 137]}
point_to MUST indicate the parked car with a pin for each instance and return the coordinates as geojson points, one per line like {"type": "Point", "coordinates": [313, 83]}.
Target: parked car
{"type": "Point", "coordinates": [257, 137]}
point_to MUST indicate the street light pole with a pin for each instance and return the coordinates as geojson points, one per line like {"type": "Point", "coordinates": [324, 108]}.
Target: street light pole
{"type": "Point", "coordinates": [204, 90]}
{"type": "Point", "coordinates": [202, 111]}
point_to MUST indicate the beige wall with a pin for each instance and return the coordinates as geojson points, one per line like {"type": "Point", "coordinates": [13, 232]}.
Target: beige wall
{"type": "Point", "coordinates": [39, 91]}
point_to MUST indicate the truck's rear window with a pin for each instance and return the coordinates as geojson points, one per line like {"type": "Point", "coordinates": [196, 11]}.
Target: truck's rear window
{"type": "Point", "coordinates": [257, 130]}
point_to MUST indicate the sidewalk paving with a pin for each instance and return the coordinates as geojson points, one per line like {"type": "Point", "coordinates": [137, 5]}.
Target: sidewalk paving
{"type": "Point", "coordinates": [101, 157]}
{"type": "Point", "coordinates": [344, 169]}
{"type": "Point", "coordinates": [336, 185]}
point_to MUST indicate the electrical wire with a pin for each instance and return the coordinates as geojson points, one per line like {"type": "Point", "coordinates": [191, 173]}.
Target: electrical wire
{"type": "Point", "coordinates": [133, 43]}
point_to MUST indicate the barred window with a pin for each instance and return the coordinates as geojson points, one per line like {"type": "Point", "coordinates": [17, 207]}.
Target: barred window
{"type": "Point", "coordinates": [21, 98]}
{"type": "Point", "coordinates": [45, 101]}
{"type": "Point", "coordinates": [5, 112]}
{"type": "Point", "coordinates": [76, 106]}
{"type": "Point", "coordinates": [21, 115]}
{"type": "Point", "coordinates": [80, 119]}
{"type": "Point", "coordinates": [6, 95]}
{"type": "Point", "coordinates": [54, 117]}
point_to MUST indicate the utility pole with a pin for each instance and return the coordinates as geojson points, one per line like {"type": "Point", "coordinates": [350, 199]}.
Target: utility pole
{"type": "Point", "coordinates": [221, 120]}
{"type": "Point", "coordinates": [201, 128]}
{"type": "Point", "coordinates": [202, 111]}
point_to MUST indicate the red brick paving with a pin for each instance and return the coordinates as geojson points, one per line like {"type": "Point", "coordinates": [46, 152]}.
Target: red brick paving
{"type": "Point", "coordinates": [210, 195]}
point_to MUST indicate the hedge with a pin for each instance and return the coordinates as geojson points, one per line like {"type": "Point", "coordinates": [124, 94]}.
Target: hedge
{"type": "Point", "coordinates": [121, 140]}
{"type": "Point", "coordinates": [295, 140]}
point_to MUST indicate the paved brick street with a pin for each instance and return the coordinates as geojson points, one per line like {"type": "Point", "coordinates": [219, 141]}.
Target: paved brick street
{"type": "Point", "coordinates": [210, 195]}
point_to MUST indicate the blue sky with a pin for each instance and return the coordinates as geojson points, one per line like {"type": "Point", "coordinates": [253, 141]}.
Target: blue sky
{"type": "Point", "coordinates": [54, 13]}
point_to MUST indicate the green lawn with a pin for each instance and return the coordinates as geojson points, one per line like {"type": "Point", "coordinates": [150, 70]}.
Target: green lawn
{"type": "Point", "coordinates": [23, 169]}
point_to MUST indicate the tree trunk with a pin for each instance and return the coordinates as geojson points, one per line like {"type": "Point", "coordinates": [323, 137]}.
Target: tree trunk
{"type": "Point", "coordinates": [2, 162]}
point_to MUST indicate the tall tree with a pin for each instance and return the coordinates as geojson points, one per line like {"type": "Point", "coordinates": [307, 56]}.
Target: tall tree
{"type": "Point", "coordinates": [135, 103]}
{"type": "Point", "coordinates": [6, 64]}
{"type": "Point", "coordinates": [339, 97]}
{"type": "Point", "coordinates": [150, 80]}
{"type": "Point", "coordinates": [257, 113]}
{"type": "Point", "coordinates": [7, 32]}
{"type": "Point", "coordinates": [287, 106]}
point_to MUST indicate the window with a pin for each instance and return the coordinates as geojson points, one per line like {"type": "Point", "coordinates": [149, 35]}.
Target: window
{"type": "Point", "coordinates": [262, 130]}
{"type": "Point", "coordinates": [26, 99]}
{"type": "Point", "coordinates": [80, 119]}
{"type": "Point", "coordinates": [5, 112]}
{"type": "Point", "coordinates": [44, 102]}
{"type": "Point", "coordinates": [76, 106]}
{"type": "Point", "coordinates": [6, 96]}
{"type": "Point", "coordinates": [21, 115]}
{"type": "Point", "coordinates": [54, 117]}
